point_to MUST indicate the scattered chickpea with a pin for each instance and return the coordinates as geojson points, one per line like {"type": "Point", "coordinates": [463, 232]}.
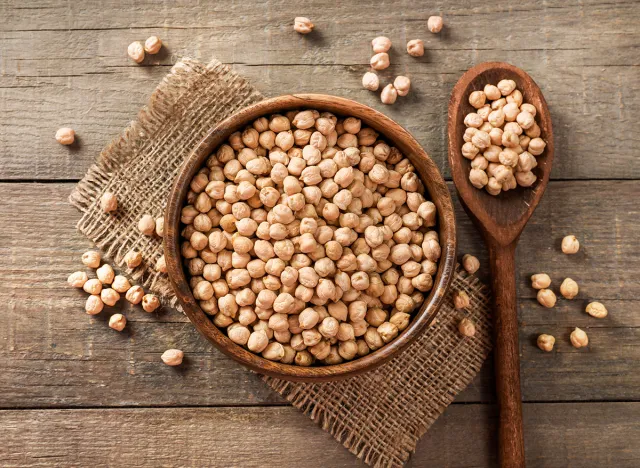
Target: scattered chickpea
{"type": "Point", "coordinates": [415, 48]}
{"type": "Point", "coordinates": [117, 322]}
{"type": "Point", "coordinates": [134, 294]}
{"type": "Point", "coordinates": [370, 81]}
{"type": "Point", "coordinates": [540, 281]}
{"type": "Point", "coordinates": [160, 226]}
{"type": "Point", "coordinates": [109, 296]}
{"type": "Point", "coordinates": [402, 84]}
{"type": "Point", "coordinates": [108, 202]}
{"type": "Point", "coordinates": [91, 259]}
{"type": "Point", "coordinates": [136, 51]}
{"type": "Point", "coordinates": [569, 288]}
{"type": "Point", "coordinates": [546, 298]}
{"type": "Point", "coordinates": [77, 279]}
{"type": "Point", "coordinates": [381, 44]}
{"type": "Point", "coordinates": [434, 23]}
{"type": "Point", "coordinates": [466, 327]}
{"type": "Point", "coordinates": [94, 305]}
{"type": "Point", "coordinates": [172, 357]}
{"type": "Point", "coordinates": [389, 94]}
{"type": "Point", "coordinates": [152, 45]}
{"type": "Point", "coordinates": [579, 338]}
{"type": "Point", "coordinates": [121, 284]}
{"type": "Point", "coordinates": [570, 245]}
{"type": "Point", "coordinates": [92, 286]}
{"type": "Point", "coordinates": [546, 342]}
{"type": "Point", "coordinates": [460, 300]}
{"type": "Point", "coordinates": [380, 61]}
{"type": "Point", "coordinates": [65, 136]}
{"type": "Point", "coordinates": [597, 310]}
{"type": "Point", "coordinates": [303, 25]}
{"type": "Point", "coordinates": [147, 225]}
{"type": "Point", "coordinates": [161, 265]}
{"type": "Point", "coordinates": [105, 274]}
{"type": "Point", "coordinates": [150, 302]}
{"type": "Point", "coordinates": [133, 259]}
{"type": "Point", "coordinates": [470, 263]}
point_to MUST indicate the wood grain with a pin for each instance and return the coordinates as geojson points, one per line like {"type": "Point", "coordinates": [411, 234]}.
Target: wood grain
{"type": "Point", "coordinates": [564, 434]}
{"type": "Point", "coordinates": [53, 354]}
{"type": "Point", "coordinates": [66, 64]}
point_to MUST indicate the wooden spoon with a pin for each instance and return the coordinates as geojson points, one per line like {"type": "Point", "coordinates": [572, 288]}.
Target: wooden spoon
{"type": "Point", "coordinates": [501, 220]}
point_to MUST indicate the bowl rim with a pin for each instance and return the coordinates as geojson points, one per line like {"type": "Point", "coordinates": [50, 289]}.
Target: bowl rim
{"type": "Point", "coordinates": [393, 133]}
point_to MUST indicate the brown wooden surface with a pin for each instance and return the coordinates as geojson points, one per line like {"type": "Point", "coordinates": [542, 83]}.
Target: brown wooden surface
{"type": "Point", "coordinates": [562, 434]}
{"type": "Point", "coordinates": [64, 63]}
{"type": "Point", "coordinates": [436, 191]}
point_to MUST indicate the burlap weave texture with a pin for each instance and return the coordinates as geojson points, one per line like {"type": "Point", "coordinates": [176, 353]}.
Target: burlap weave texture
{"type": "Point", "coordinates": [380, 415]}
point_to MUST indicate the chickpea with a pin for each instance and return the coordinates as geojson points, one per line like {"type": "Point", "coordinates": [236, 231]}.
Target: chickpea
{"type": "Point", "coordinates": [147, 224]}
{"type": "Point", "coordinates": [303, 25]}
{"type": "Point", "coordinates": [477, 99]}
{"type": "Point", "coordinates": [473, 120]}
{"type": "Point", "coordinates": [387, 331]}
{"type": "Point", "coordinates": [546, 342]}
{"type": "Point", "coordinates": [506, 87]}
{"type": "Point", "coordinates": [569, 288]}
{"type": "Point", "coordinates": [258, 341]}
{"type": "Point", "coordinates": [136, 51]}
{"type": "Point", "coordinates": [94, 305]}
{"type": "Point", "coordinates": [415, 48]}
{"type": "Point", "coordinates": [370, 81]}
{"type": "Point", "coordinates": [466, 327]}
{"type": "Point", "coordinates": [402, 84]}
{"type": "Point", "coordinates": [570, 245]}
{"type": "Point", "coordinates": [597, 310]}
{"type": "Point", "coordinates": [460, 300]}
{"type": "Point", "coordinates": [434, 24]}
{"type": "Point", "coordinates": [380, 61]}
{"type": "Point", "coordinates": [478, 178]}
{"type": "Point", "coordinates": [172, 357]}
{"type": "Point", "coordinates": [470, 263]}
{"type": "Point", "coordinates": [65, 136]}
{"type": "Point", "coordinates": [546, 298]}
{"type": "Point", "coordinates": [579, 338]}
{"type": "Point", "coordinates": [389, 94]}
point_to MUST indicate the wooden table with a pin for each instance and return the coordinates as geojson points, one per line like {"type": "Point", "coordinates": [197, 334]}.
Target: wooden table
{"type": "Point", "coordinates": [73, 391]}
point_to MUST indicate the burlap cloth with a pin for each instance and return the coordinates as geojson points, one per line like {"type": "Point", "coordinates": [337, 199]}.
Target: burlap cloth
{"type": "Point", "coordinates": [379, 416]}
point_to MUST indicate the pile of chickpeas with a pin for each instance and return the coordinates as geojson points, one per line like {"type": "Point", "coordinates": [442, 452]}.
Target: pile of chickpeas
{"type": "Point", "coordinates": [309, 239]}
{"type": "Point", "coordinates": [502, 139]}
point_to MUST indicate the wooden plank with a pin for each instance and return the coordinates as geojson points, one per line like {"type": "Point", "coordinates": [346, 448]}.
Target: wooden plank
{"type": "Point", "coordinates": [52, 354]}
{"type": "Point", "coordinates": [565, 434]}
{"type": "Point", "coordinates": [67, 65]}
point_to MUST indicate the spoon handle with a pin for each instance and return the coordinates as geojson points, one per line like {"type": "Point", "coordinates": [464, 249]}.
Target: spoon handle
{"type": "Point", "coordinates": [507, 361]}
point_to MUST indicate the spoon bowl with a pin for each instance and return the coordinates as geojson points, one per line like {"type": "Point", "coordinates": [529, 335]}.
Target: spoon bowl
{"type": "Point", "coordinates": [506, 214]}
{"type": "Point", "coordinates": [501, 220]}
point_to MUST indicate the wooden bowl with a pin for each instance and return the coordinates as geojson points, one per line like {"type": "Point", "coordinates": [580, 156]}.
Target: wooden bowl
{"type": "Point", "coordinates": [395, 135]}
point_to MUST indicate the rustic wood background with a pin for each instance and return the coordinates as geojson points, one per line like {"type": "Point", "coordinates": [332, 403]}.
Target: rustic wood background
{"type": "Point", "coordinates": [74, 392]}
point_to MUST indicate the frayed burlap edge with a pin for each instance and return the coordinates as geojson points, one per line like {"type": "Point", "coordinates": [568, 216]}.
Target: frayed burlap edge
{"type": "Point", "coordinates": [380, 416]}
{"type": "Point", "coordinates": [140, 165]}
